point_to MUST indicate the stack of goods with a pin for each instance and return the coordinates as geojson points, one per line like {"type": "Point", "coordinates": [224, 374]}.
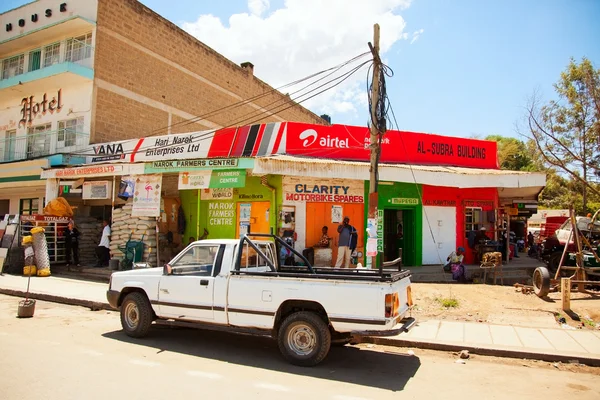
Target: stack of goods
{"type": "Point", "coordinates": [40, 246]}
{"type": "Point", "coordinates": [493, 259]}
{"type": "Point", "coordinates": [91, 230]}
{"type": "Point", "coordinates": [125, 227]}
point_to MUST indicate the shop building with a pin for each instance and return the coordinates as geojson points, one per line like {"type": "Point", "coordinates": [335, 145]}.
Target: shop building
{"type": "Point", "coordinates": [300, 177]}
{"type": "Point", "coordinates": [85, 72]}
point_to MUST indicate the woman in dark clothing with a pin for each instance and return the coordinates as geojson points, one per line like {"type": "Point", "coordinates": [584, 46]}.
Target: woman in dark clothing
{"type": "Point", "coordinates": [72, 244]}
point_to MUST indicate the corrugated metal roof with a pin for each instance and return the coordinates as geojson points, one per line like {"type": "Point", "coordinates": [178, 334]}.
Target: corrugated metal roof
{"type": "Point", "coordinates": [422, 174]}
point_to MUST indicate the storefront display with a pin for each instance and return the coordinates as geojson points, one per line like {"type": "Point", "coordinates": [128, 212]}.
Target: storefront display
{"type": "Point", "coordinates": [323, 202]}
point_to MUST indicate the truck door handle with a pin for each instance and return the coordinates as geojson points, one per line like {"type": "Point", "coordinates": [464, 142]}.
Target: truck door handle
{"type": "Point", "coordinates": [204, 282]}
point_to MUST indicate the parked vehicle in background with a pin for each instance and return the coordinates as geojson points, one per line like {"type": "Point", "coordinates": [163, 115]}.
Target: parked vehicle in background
{"type": "Point", "coordinates": [551, 248]}
{"type": "Point", "coordinates": [242, 286]}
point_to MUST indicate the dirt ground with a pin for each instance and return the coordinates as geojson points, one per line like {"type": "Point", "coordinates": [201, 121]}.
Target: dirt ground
{"type": "Point", "coordinates": [502, 305]}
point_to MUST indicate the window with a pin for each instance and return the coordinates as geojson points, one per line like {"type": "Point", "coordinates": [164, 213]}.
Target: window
{"type": "Point", "coordinates": [79, 48]}
{"type": "Point", "coordinates": [35, 60]}
{"type": "Point", "coordinates": [51, 54]}
{"type": "Point", "coordinates": [67, 131]}
{"type": "Point", "coordinates": [13, 66]}
{"type": "Point", "coordinates": [251, 261]}
{"type": "Point", "coordinates": [473, 219]}
{"type": "Point", "coordinates": [38, 140]}
{"type": "Point", "coordinates": [197, 260]}
{"type": "Point", "coordinates": [29, 206]}
{"type": "Point", "coordinates": [10, 139]}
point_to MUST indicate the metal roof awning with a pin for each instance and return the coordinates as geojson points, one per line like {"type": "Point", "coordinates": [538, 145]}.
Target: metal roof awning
{"type": "Point", "coordinates": [516, 184]}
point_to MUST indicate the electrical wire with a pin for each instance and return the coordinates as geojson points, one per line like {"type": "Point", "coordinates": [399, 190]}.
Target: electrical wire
{"type": "Point", "coordinates": [258, 115]}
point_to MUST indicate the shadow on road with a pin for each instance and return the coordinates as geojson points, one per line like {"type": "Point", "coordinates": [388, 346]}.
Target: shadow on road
{"type": "Point", "coordinates": [346, 364]}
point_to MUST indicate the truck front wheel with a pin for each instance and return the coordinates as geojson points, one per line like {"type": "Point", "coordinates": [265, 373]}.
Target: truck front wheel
{"type": "Point", "coordinates": [304, 339]}
{"type": "Point", "coordinates": [136, 315]}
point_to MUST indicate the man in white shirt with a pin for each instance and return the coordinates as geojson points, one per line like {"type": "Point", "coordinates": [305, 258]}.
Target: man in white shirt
{"type": "Point", "coordinates": [103, 249]}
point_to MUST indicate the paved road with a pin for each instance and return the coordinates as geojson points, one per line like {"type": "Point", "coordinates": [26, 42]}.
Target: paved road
{"type": "Point", "coordinates": [72, 353]}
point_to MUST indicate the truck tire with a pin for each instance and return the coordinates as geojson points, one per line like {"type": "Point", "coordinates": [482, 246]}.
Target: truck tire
{"type": "Point", "coordinates": [136, 315]}
{"type": "Point", "coordinates": [541, 281]}
{"type": "Point", "coordinates": [554, 260]}
{"type": "Point", "coordinates": [304, 339]}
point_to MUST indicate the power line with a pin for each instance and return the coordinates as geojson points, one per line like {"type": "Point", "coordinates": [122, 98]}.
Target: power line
{"type": "Point", "coordinates": [251, 118]}
{"type": "Point", "coordinates": [265, 94]}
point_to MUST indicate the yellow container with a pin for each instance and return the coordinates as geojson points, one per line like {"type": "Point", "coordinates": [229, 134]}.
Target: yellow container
{"type": "Point", "coordinates": [29, 270]}
{"type": "Point", "coordinates": [27, 239]}
{"type": "Point", "coordinates": [37, 229]}
{"type": "Point", "coordinates": [43, 272]}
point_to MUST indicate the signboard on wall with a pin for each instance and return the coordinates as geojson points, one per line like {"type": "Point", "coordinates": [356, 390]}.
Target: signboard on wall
{"type": "Point", "coordinates": [300, 189]}
{"type": "Point", "coordinates": [97, 190]}
{"type": "Point", "coordinates": [211, 179]}
{"type": "Point", "coordinates": [146, 197]}
{"type": "Point", "coordinates": [352, 143]}
{"type": "Point", "coordinates": [217, 194]}
{"type": "Point", "coordinates": [340, 142]}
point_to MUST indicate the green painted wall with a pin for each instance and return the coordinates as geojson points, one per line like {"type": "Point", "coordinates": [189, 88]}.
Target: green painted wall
{"type": "Point", "coordinates": [412, 242]}
{"type": "Point", "coordinates": [220, 216]}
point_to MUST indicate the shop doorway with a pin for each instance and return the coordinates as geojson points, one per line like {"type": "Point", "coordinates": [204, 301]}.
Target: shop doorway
{"type": "Point", "coordinates": [399, 235]}
{"type": "Point", "coordinates": [253, 217]}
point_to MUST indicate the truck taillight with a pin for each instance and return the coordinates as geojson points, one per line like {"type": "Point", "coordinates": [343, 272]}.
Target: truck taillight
{"type": "Point", "coordinates": [409, 300]}
{"type": "Point", "coordinates": [392, 305]}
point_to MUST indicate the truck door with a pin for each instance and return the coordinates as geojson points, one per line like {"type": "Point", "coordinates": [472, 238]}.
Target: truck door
{"type": "Point", "coordinates": [187, 290]}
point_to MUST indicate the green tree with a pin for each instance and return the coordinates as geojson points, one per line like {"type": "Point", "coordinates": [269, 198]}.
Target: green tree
{"type": "Point", "coordinates": [566, 132]}
{"type": "Point", "coordinates": [512, 153]}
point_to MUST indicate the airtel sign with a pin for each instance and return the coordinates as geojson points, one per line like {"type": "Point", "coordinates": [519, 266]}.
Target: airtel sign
{"type": "Point", "coordinates": [345, 142]}
{"type": "Point", "coordinates": [310, 137]}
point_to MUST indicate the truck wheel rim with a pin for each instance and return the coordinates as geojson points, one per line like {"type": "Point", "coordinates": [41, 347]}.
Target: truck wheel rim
{"type": "Point", "coordinates": [302, 339]}
{"type": "Point", "coordinates": [132, 315]}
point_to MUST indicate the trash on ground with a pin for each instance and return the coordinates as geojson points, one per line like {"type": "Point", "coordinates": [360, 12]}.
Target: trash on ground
{"type": "Point", "coordinates": [460, 362]}
{"type": "Point", "coordinates": [464, 354]}
{"type": "Point", "coordinates": [410, 353]}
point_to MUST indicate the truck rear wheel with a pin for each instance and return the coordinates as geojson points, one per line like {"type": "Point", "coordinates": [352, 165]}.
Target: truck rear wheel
{"type": "Point", "coordinates": [136, 315]}
{"type": "Point", "coordinates": [304, 339]}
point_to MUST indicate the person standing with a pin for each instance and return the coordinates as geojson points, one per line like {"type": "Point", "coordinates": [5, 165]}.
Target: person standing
{"type": "Point", "coordinates": [348, 237]}
{"type": "Point", "coordinates": [72, 244]}
{"type": "Point", "coordinates": [103, 249]}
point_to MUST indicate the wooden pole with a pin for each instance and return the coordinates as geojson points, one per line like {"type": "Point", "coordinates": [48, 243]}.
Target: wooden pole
{"type": "Point", "coordinates": [374, 137]}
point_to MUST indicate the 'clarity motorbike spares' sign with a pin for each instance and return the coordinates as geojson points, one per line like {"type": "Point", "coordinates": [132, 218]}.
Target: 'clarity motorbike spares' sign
{"type": "Point", "coordinates": [300, 189]}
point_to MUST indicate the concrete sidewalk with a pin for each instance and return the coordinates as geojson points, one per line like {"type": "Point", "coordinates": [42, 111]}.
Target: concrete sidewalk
{"type": "Point", "coordinates": [479, 338]}
{"type": "Point", "coordinates": [58, 290]}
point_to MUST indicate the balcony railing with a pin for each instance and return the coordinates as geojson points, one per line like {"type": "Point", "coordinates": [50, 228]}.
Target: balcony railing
{"type": "Point", "coordinates": [64, 52]}
{"type": "Point", "coordinates": [36, 145]}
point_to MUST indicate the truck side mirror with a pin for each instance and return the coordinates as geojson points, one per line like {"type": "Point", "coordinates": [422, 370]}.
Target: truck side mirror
{"type": "Point", "coordinates": [167, 270]}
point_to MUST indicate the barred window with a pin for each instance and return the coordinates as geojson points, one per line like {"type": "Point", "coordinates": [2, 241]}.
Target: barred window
{"type": "Point", "coordinates": [51, 54]}
{"type": "Point", "coordinates": [68, 129]}
{"type": "Point", "coordinates": [79, 48]}
{"type": "Point", "coordinates": [13, 66]}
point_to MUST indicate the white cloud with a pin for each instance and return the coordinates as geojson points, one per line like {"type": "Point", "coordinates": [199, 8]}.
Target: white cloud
{"type": "Point", "coordinates": [303, 37]}
{"type": "Point", "coordinates": [258, 7]}
{"type": "Point", "coordinates": [416, 35]}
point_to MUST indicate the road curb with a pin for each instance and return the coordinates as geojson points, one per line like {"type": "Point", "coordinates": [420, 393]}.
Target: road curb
{"type": "Point", "coordinates": [484, 351]}
{"type": "Point", "coordinates": [93, 305]}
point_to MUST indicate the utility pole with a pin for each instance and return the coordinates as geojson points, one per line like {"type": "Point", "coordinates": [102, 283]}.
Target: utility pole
{"type": "Point", "coordinates": [374, 131]}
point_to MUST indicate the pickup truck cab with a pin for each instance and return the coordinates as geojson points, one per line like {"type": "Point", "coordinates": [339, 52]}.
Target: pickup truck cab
{"type": "Point", "coordinates": [240, 286]}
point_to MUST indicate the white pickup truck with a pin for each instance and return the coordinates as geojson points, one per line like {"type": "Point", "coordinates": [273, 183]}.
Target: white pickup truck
{"type": "Point", "coordinates": [240, 286]}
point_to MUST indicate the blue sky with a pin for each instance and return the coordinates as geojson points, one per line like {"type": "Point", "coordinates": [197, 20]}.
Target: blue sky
{"type": "Point", "coordinates": [468, 72]}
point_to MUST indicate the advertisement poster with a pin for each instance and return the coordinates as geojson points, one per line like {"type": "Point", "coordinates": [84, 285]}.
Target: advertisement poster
{"type": "Point", "coordinates": [245, 212]}
{"type": "Point", "coordinates": [371, 247]}
{"type": "Point", "coordinates": [146, 197]}
{"type": "Point", "coordinates": [217, 194]}
{"type": "Point", "coordinates": [336, 214]}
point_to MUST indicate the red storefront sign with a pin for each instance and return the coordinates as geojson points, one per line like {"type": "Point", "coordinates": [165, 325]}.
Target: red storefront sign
{"type": "Point", "coordinates": [352, 143]}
